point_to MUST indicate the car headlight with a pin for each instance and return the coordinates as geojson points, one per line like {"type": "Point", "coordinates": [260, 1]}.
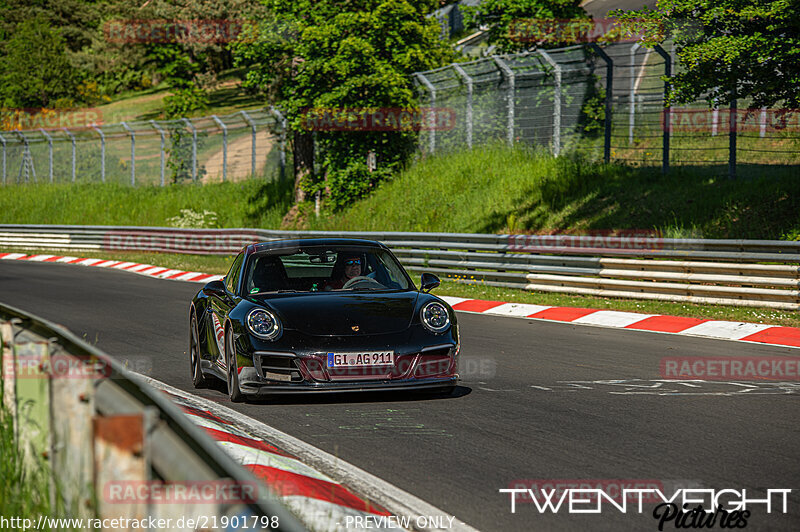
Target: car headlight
{"type": "Point", "coordinates": [264, 324]}
{"type": "Point", "coordinates": [435, 317]}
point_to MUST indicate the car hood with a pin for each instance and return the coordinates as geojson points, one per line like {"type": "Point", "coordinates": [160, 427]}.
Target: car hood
{"type": "Point", "coordinates": [345, 314]}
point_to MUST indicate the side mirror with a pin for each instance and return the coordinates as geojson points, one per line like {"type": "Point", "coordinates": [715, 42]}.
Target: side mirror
{"type": "Point", "coordinates": [429, 282]}
{"type": "Point", "coordinates": [215, 288]}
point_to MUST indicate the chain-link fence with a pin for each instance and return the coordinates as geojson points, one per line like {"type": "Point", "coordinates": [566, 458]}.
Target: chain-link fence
{"type": "Point", "coordinates": [560, 99]}
{"type": "Point", "coordinates": [155, 152]}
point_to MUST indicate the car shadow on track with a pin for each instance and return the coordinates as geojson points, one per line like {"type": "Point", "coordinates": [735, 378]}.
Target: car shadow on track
{"type": "Point", "coordinates": [318, 398]}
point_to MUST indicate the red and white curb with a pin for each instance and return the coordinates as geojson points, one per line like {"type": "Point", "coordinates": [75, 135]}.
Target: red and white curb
{"type": "Point", "coordinates": [319, 501]}
{"type": "Point", "coordinates": [705, 328]}
{"type": "Point", "coordinates": [134, 267]}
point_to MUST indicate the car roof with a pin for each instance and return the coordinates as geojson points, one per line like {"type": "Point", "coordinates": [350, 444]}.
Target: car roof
{"type": "Point", "coordinates": [305, 242]}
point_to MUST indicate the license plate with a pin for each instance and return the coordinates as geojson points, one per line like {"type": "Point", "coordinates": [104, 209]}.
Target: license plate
{"type": "Point", "coordinates": [354, 360]}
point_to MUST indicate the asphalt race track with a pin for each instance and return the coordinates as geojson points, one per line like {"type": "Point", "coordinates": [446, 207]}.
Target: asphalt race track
{"type": "Point", "coordinates": [528, 407]}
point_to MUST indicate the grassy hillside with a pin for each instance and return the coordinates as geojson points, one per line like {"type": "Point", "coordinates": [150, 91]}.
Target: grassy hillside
{"type": "Point", "coordinates": [497, 189]}
{"type": "Point", "coordinates": [486, 190]}
{"type": "Point", "coordinates": [252, 203]}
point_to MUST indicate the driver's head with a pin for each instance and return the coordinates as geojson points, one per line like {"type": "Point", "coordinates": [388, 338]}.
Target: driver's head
{"type": "Point", "coordinates": [352, 266]}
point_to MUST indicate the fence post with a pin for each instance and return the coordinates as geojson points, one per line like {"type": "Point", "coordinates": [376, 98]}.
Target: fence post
{"type": "Point", "coordinates": [3, 140]}
{"type": "Point", "coordinates": [667, 110]}
{"type": "Point", "coordinates": [283, 123]}
{"type": "Point", "coordinates": [27, 160]}
{"type": "Point", "coordinates": [72, 138]}
{"type": "Point", "coordinates": [133, 152]}
{"type": "Point", "coordinates": [160, 132]}
{"type": "Point", "coordinates": [194, 147]}
{"type": "Point", "coordinates": [762, 126]}
{"type": "Point", "coordinates": [224, 147]}
{"type": "Point", "coordinates": [609, 94]}
{"type": "Point", "coordinates": [432, 131]}
{"type": "Point", "coordinates": [50, 150]}
{"type": "Point", "coordinates": [509, 75]}
{"type": "Point", "coordinates": [468, 81]}
{"type": "Point", "coordinates": [632, 97]}
{"type": "Point", "coordinates": [556, 103]}
{"type": "Point", "coordinates": [252, 143]}
{"type": "Point", "coordinates": [102, 153]}
{"type": "Point", "coordinates": [732, 138]}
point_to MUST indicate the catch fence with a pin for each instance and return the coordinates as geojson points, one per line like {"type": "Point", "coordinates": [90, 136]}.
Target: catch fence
{"type": "Point", "coordinates": [604, 102]}
{"type": "Point", "coordinates": [145, 152]}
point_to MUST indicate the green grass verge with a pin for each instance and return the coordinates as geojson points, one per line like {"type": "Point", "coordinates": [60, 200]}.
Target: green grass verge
{"type": "Point", "coordinates": [220, 265]}
{"type": "Point", "coordinates": [251, 203]}
{"type": "Point", "coordinates": [23, 493]}
{"type": "Point", "coordinates": [498, 189]}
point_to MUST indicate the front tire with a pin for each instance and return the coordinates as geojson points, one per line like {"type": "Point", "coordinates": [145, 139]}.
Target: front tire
{"type": "Point", "coordinates": [198, 378]}
{"type": "Point", "coordinates": [233, 370]}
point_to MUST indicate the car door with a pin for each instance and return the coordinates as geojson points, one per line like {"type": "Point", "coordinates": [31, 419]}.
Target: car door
{"type": "Point", "coordinates": [219, 308]}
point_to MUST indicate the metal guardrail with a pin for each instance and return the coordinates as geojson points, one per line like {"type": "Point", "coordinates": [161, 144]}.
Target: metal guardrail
{"type": "Point", "coordinates": [105, 438]}
{"type": "Point", "coordinates": [758, 273]}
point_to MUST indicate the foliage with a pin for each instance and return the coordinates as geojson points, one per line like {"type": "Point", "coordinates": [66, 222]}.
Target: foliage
{"type": "Point", "coordinates": [34, 69]}
{"type": "Point", "coordinates": [189, 218]}
{"type": "Point", "coordinates": [753, 45]}
{"type": "Point", "coordinates": [328, 55]}
{"type": "Point", "coordinates": [179, 154]}
{"type": "Point", "coordinates": [506, 18]}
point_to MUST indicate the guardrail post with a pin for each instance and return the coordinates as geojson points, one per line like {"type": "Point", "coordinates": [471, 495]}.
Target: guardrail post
{"type": "Point", "coordinates": [33, 401]}
{"type": "Point", "coordinates": [73, 406]}
{"type": "Point", "coordinates": [224, 146]}
{"type": "Point", "coordinates": [102, 153]}
{"type": "Point", "coordinates": [632, 97]}
{"type": "Point", "coordinates": [468, 81]}
{"type": "Point", "coordinates": [432, 131]}
{"type": "Point", "coordinates": [667, 109]}
{"type": "Point", "coordinates": [9, 371]}
{"type": "Point", "coordinates": [3, 141]}
{"type": "Point", "coordinates": [72, 138]}
{"type": "Point", "coordinates": [609, 95]}
{"type": "Point", "coordinates": [556, 103]}
{"type": "Point", "coordinates": [50, 150]}
{"type": "Point", "coordinates": [133, 152]}
{"type": "Point", "coordinates": [762, 122]}
{"type": "Point", "coordinates": [252, 143]}
{"type": "Point", "coordinates": [194, 147]}
{"type": "Point", "coordinates": [160, 132]}
{"type": "Point", "coordinates": [509, 75]}
{"type": "Point", "coordinates": [284, 131]}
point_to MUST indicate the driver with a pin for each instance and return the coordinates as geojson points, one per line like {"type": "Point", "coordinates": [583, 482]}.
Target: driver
{"type": "Point", "coordinates": [347, 267]}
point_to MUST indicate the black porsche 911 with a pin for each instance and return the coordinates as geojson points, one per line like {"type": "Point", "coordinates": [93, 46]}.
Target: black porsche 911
{"type": "Point", "coordinates": [321, 315]}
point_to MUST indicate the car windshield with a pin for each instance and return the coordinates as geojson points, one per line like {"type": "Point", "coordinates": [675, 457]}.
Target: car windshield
{"type": "Point", "coordinates": [324, 269]}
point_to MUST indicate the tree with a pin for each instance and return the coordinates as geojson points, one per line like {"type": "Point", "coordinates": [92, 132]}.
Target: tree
{"type": "Point", "coordinates": [509, 21]}
{"type": "Point", "coordinates": [35, 70]}
{"type": "Point", "coordinates": [326, 54]}
{"type": "Point", "coordinates": [750, 45]}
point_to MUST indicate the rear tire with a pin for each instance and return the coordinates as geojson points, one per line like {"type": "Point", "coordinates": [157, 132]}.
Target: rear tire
{"type": "Point", "coordinates": [233, 370]}
{"type": "Point", "coordinates": [198, 378]}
